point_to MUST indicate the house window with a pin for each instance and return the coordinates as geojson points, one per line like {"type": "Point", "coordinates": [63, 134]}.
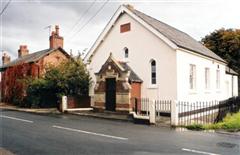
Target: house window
{"type": "Point", "coordinates": [126, 52]}
{"type": "Point", "coordinates": [218, 79]}
{"type": "Point", "coordinates": [207, 78]}
{"type": "Point", "coordinates": [153, 72]}
{"type": "Point", "coordinates": [125, 28]}
{"type": "Point", "coordinates": [192, 76]}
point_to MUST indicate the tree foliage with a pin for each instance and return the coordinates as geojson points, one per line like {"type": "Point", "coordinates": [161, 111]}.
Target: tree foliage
{"type": "Point", "coordinates": [226, 44]}
{"type": "Point", "coordinates": [69, 78]}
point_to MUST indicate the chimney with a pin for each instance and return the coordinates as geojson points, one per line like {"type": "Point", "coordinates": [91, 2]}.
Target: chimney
{"type": "Point", "coordinates": [55, 40]}
{"type": "Point", "coordinates": [23, 50]}
{"type": "Point", "coordinates": [5, 59]}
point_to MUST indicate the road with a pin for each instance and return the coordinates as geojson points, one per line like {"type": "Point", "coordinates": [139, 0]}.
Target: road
{"type": "Point", "coordinates": [31, 134]}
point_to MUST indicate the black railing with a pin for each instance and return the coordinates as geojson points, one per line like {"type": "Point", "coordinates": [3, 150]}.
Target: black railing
{"type": "Point", "coordinates": [206, 112]}
{"type": "Point", "coordinates": [231, 105]}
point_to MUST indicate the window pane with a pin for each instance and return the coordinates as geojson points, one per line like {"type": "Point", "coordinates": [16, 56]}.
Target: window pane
{"type": "Point", "coordinates": [192, 77]}
{"type": "Point", "coordinates": [154, 81]}
{"type": "Point", "coordinates": [126, 52]}
{"type": "Point", "coordinates": [218, 79]}
{"type": "Point", "coordinates": [207, 78]}
{"type": "Point", "coordinates": [153, 72]}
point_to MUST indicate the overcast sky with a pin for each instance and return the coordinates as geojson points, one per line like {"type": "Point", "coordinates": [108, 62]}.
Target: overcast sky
{"type": "Point", "coordinates": [23, 22]}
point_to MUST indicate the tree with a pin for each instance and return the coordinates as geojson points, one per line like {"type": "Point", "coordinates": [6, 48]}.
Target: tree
{"type": "Point", "coordinates": [226, 44]}
{"type": "Point", "coordinates": [68, 78]}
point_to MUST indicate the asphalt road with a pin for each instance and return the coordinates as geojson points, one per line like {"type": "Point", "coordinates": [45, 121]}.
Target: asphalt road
{"type": "Point", "coordinates": [30, 134]}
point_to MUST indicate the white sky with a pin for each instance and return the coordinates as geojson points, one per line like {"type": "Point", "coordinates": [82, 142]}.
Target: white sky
{"type": "Point", "coordinates": [23, 21]}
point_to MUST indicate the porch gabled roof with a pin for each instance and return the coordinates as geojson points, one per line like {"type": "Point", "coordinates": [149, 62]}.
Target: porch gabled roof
{"type": "Point", "coordinates": [133, 77]}
{"type": "Point", "coordinates": [122, 67]}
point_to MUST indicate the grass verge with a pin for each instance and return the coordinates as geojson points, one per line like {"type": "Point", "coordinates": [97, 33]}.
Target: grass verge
{"type": "Point", "coordinates": [230, 123]}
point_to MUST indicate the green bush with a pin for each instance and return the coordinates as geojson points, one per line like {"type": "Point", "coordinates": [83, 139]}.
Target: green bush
{"type": "Point", "coordinates": [230, 123]}
{"type": "Point", "coordinates": [68, 78]}
{"type": "Point", "coordinates": [197, 127]}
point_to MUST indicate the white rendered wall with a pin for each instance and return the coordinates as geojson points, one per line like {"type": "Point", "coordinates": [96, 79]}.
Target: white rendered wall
{"type": "Point", "coordinates": [235, 86]}
{"type": "Point", "coordinates": [231, 85]}
{"type": "Point", "coordinates": [184, 59]}
{"type": "Point", "coordinates": [143, 46]}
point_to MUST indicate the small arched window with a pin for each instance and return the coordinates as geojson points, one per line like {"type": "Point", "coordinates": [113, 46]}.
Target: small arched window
{"type": "Point", "coordinates": [153, 72]}
{"type": "Point", "coordinates": [126, 52]}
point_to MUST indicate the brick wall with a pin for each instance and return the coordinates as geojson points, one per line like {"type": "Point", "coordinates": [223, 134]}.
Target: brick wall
{"type": "Point", "coordinates": [135, 93]}
{"type": "Point", "coordinates": [11, 76]}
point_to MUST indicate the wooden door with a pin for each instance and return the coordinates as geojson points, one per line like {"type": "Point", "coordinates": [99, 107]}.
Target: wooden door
{"type": "Point", "coordinates": [110, 101]}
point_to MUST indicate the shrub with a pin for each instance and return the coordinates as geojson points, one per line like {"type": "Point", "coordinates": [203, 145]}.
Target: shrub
{"type": "Point", "coordinates": [195, 127]}
{"type": "Point", "coordinates": [68, 78]}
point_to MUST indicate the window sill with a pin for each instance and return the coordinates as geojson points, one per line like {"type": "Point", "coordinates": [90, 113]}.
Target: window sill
{"type": "Point", "coordinates": [207, 91]}
{"type": "Point", "coordinates": [153, 87]}
{"type": "Point", "coordinates": [126, 60]}
{"type": "Point", "coordinates": [192, 92]}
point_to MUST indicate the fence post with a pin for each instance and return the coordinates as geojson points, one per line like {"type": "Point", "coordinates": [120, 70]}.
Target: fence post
{"type": "Point", "coordinates": [64, 103]}
{"type": "Point", "coordinates": [152, 110]}
{"type": "Point", "coordinates": [174, 113]}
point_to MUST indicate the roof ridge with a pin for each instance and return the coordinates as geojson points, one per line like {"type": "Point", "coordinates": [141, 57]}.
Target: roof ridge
{"type": "Point", "coordinates": [178, 37]}
{"type": "Point", "coordinates": [162, 22]}
{"type": "Point", "coordinates": [27, 58]}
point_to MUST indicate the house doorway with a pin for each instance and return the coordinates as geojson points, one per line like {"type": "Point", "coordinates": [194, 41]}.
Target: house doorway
{"type": "Point", "coordinates": [110, 101]}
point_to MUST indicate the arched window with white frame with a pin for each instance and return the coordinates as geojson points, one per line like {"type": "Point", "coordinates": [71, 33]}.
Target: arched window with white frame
{"type": "Point", "coordinates": [153, 72]}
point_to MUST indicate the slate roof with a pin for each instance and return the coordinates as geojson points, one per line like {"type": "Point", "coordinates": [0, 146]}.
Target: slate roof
{"type": "Point", "coordinates": [33, 57]}
{"type": "Point", "coordinates": [178, 37]}
{"type": "Point", "coordinates": [231, 71]}
{"type": "Point", "coordinates": [133, 76]}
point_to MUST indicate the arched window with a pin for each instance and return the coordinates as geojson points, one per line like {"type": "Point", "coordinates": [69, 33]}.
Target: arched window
{"type": "Point", "coordinates": [126, 54]}
{"type": "Point", "coordinates": [153, 72]}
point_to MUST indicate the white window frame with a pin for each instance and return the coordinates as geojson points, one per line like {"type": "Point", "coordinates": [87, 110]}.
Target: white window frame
{"type": "Point", "coordinates": [126, 53]}
{"type": "Point", "coordinates": [218, 80]}
{"type": "Point", "coordinates": [153, 70]}
{"type": "Point", "coordinates": [192, 77]}
{"type": "Point", "coordinates": [207, 78]}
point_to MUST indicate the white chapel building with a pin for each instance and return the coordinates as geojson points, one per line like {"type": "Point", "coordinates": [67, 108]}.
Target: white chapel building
{"type": "Point", "coordinates": [137, 56]}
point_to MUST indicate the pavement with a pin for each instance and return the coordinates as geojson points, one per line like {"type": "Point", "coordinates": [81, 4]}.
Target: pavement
{"type": "Point", "coordinates": [105, 115]}
{"type": "Point", "coordinates": [30, 110]}
{"type": "Point", "coordinates": [30, 134]}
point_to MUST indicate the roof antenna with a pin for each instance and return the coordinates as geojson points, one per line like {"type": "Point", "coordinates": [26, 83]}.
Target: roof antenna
{"type": "Point", "coordinates": [49, 27]}
{"type": "Point", "coordinates": [2, 55]}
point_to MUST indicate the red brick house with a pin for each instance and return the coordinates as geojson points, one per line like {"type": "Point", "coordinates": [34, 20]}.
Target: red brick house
{"type": "Point", "coordinates": [26, 64]}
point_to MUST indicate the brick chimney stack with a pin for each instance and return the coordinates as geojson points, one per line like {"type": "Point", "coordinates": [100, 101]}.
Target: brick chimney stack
{"type": "Point", "coordinates": [5, 58]}
{"type": "Point", "coordinates": [23, 50]}
{"type": "Point", "coordinates": [55, 40]}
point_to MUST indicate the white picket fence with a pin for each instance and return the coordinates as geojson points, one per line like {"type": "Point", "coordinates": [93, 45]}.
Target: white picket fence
{"type": "Point", "coordinates": [161, 106]}
{"type": "Point", "coordinates": [179, 111]}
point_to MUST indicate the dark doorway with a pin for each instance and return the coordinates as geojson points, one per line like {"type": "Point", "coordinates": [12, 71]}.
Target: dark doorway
{"type": "Point", "coordinates": [110, 94]}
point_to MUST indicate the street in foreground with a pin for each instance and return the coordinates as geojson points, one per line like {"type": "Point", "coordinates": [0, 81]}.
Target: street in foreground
{"type": "Point", "coordinates": [30, 134]}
